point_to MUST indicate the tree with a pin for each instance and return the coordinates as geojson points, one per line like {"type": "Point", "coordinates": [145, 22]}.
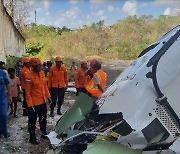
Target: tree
{"type": "Point", "coordinates": [59, 30]}
{"type": "Point", "coordinates": [100, 24]}
{"type": "Point", "coordinates": [19, 11]}
{"type": "Point", "coordinates": [65, 29]}
{"type": "Point", "coordinates": [33, 50]}
{"type": "Point", "coordinates": [52, 28]}
{"type": "Point", "coordinates": [146, 18]}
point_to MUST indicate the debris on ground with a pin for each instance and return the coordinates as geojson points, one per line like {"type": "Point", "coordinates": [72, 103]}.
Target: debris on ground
{"type": "Point", "coordinates": [18, 142]}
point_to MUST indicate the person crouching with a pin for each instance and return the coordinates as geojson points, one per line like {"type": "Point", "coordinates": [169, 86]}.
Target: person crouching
{"type": "Point", "coordinates": [37, 94]}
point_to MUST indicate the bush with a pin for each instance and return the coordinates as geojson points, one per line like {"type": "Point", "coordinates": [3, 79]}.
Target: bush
{"type": "Point", "coordinates": [32, 50]}
{"type": "Point", "coordinates": [123, 40]}
{"type": "Point", "coordinates": [11, 61]}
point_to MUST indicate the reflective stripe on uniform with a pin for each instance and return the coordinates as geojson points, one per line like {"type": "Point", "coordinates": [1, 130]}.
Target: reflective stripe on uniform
{"type": "Point", "coordinates": [28, 81]}
{"type": "Point", "coordinates": [92, 88]}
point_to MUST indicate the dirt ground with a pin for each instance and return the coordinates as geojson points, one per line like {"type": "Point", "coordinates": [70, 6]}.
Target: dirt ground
{"type": "Point", "coordinates": [18, 142]}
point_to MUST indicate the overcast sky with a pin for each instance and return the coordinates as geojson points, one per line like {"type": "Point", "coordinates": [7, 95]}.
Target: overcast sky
{"type": "Point", "coordinates": [76, 13]}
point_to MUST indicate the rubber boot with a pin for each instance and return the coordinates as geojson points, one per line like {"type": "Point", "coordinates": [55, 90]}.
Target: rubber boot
{"type": "Point", "coordinates": [59, 111]}
{"type": "Point", "coordinates": [25, 113]}
{"type": "Point", "coordinates": [33, 139]}
{"type": "Point", "coordinates": [43, 136]}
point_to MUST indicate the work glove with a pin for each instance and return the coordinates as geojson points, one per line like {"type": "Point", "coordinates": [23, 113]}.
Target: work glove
{"type": "Point", "coordinates": [31, 109]}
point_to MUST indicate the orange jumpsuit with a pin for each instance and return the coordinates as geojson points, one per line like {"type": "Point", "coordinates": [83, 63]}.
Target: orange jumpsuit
{"type": "Point", "coordinates": [57, 82]}
{"type": "Point", "coordinates": [58, 78]}
{"type": "Point", "coordinates": [81, 80]}
{"type": "Point", "coordinates": [37, 91]}
{"type": "Point", "coordinates": [24, 74]}
{"type": "Point", "coordinates": [37, 94]}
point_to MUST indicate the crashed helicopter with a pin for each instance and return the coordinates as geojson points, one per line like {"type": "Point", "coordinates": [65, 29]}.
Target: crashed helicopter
{"type": "Point", "coordinates": [138, 113]}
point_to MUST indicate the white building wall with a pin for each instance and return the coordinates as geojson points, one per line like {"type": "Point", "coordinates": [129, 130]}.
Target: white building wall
{"type": "Point", "coordinates": [11, 40]}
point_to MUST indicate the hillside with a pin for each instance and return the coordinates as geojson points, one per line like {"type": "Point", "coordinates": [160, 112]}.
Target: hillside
{"type": "Point", "coordinates": [123, 40]}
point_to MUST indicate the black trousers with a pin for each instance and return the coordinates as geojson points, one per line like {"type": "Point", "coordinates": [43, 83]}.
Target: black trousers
{"type": "Point", "coordinates": [41, 112]}
{"type": "Point", "coordinates": [57, 96]}
{"type": "Point", "coordinates": [94, 110]}
{"type": "Point", "coordinates": [24, 105]}
{"type": "Point", "coordinates": [83, 90]}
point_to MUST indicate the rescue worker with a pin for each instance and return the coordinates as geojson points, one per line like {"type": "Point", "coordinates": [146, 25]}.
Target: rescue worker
{"type": "Point", "coordinates": [37, 94]}
{"type": "Point", "coordinates": [49, 64]}
{"type": "Point", "coordinates": [45, 68]}
{"type": "Point", "coordinates": [73, 70]}
{"type": "Point", "coordinates": [18, 68]}
{"type": "Point", "coordinates": [24, 74]}
{"type": "Point", "coordinates": [57, 83]}
{"type": "Point", "coordinates": [81, 78]}
{"type": "Point", "coordinates": [5, 96]}
{"type": "Point", "coordinates": [97, 84]}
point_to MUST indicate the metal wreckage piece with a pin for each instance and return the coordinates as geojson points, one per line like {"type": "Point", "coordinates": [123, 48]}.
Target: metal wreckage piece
{"type": "Point", "coordinates": [138, 113]}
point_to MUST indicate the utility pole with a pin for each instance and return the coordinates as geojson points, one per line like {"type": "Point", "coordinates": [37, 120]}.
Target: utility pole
{"type": "Point", "coordinates": [35, 15]}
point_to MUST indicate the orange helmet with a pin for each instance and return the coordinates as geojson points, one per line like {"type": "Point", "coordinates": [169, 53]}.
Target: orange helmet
{"type": "Point", "coordinates": [58, 58]}
{"type": "Point", "coordinates": [83, 62]}
{"type": "Point", "coordinates": [92, 62]}
{"type": "Point", "coordinates": [35, 61]}
{"type": "Point", "coordinates": [26, 60]}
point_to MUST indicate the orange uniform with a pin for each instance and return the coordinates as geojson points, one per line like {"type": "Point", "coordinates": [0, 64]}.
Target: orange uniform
{"type": "Point", "coordinates": [37, 91]}
{"type": "Point", "coordinates": [92, 88]}
{"type": "Point", "coordinates": [58, 78]}
{"type": "Point", "coordinates": [81, 78]}
{"type": "Point", "coordinates": [25, 73]}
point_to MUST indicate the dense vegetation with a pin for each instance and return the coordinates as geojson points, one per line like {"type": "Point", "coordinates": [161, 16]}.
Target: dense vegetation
{"type": "Point", "coordinates": [123, 40]}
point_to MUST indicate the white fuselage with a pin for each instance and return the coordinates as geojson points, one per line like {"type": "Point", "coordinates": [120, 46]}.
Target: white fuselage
{"type": "Point", "coordinates": [134, 95]}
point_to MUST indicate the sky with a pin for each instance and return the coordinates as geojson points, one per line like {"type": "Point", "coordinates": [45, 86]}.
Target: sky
{"type": "Point", "coordinates": [76, 13]}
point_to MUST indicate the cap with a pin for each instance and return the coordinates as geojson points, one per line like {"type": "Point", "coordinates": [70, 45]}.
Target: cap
{"type": "Point", "coordinates": [58, 58]}
{"type": "Point", "coordinates": [26, 60]}
{"type": "Point", "coordinates": [92, 62]}
{"type": "Point", "coordinates": [35, 61]}
{"type": "Point", "coordinates": [83, 62]}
